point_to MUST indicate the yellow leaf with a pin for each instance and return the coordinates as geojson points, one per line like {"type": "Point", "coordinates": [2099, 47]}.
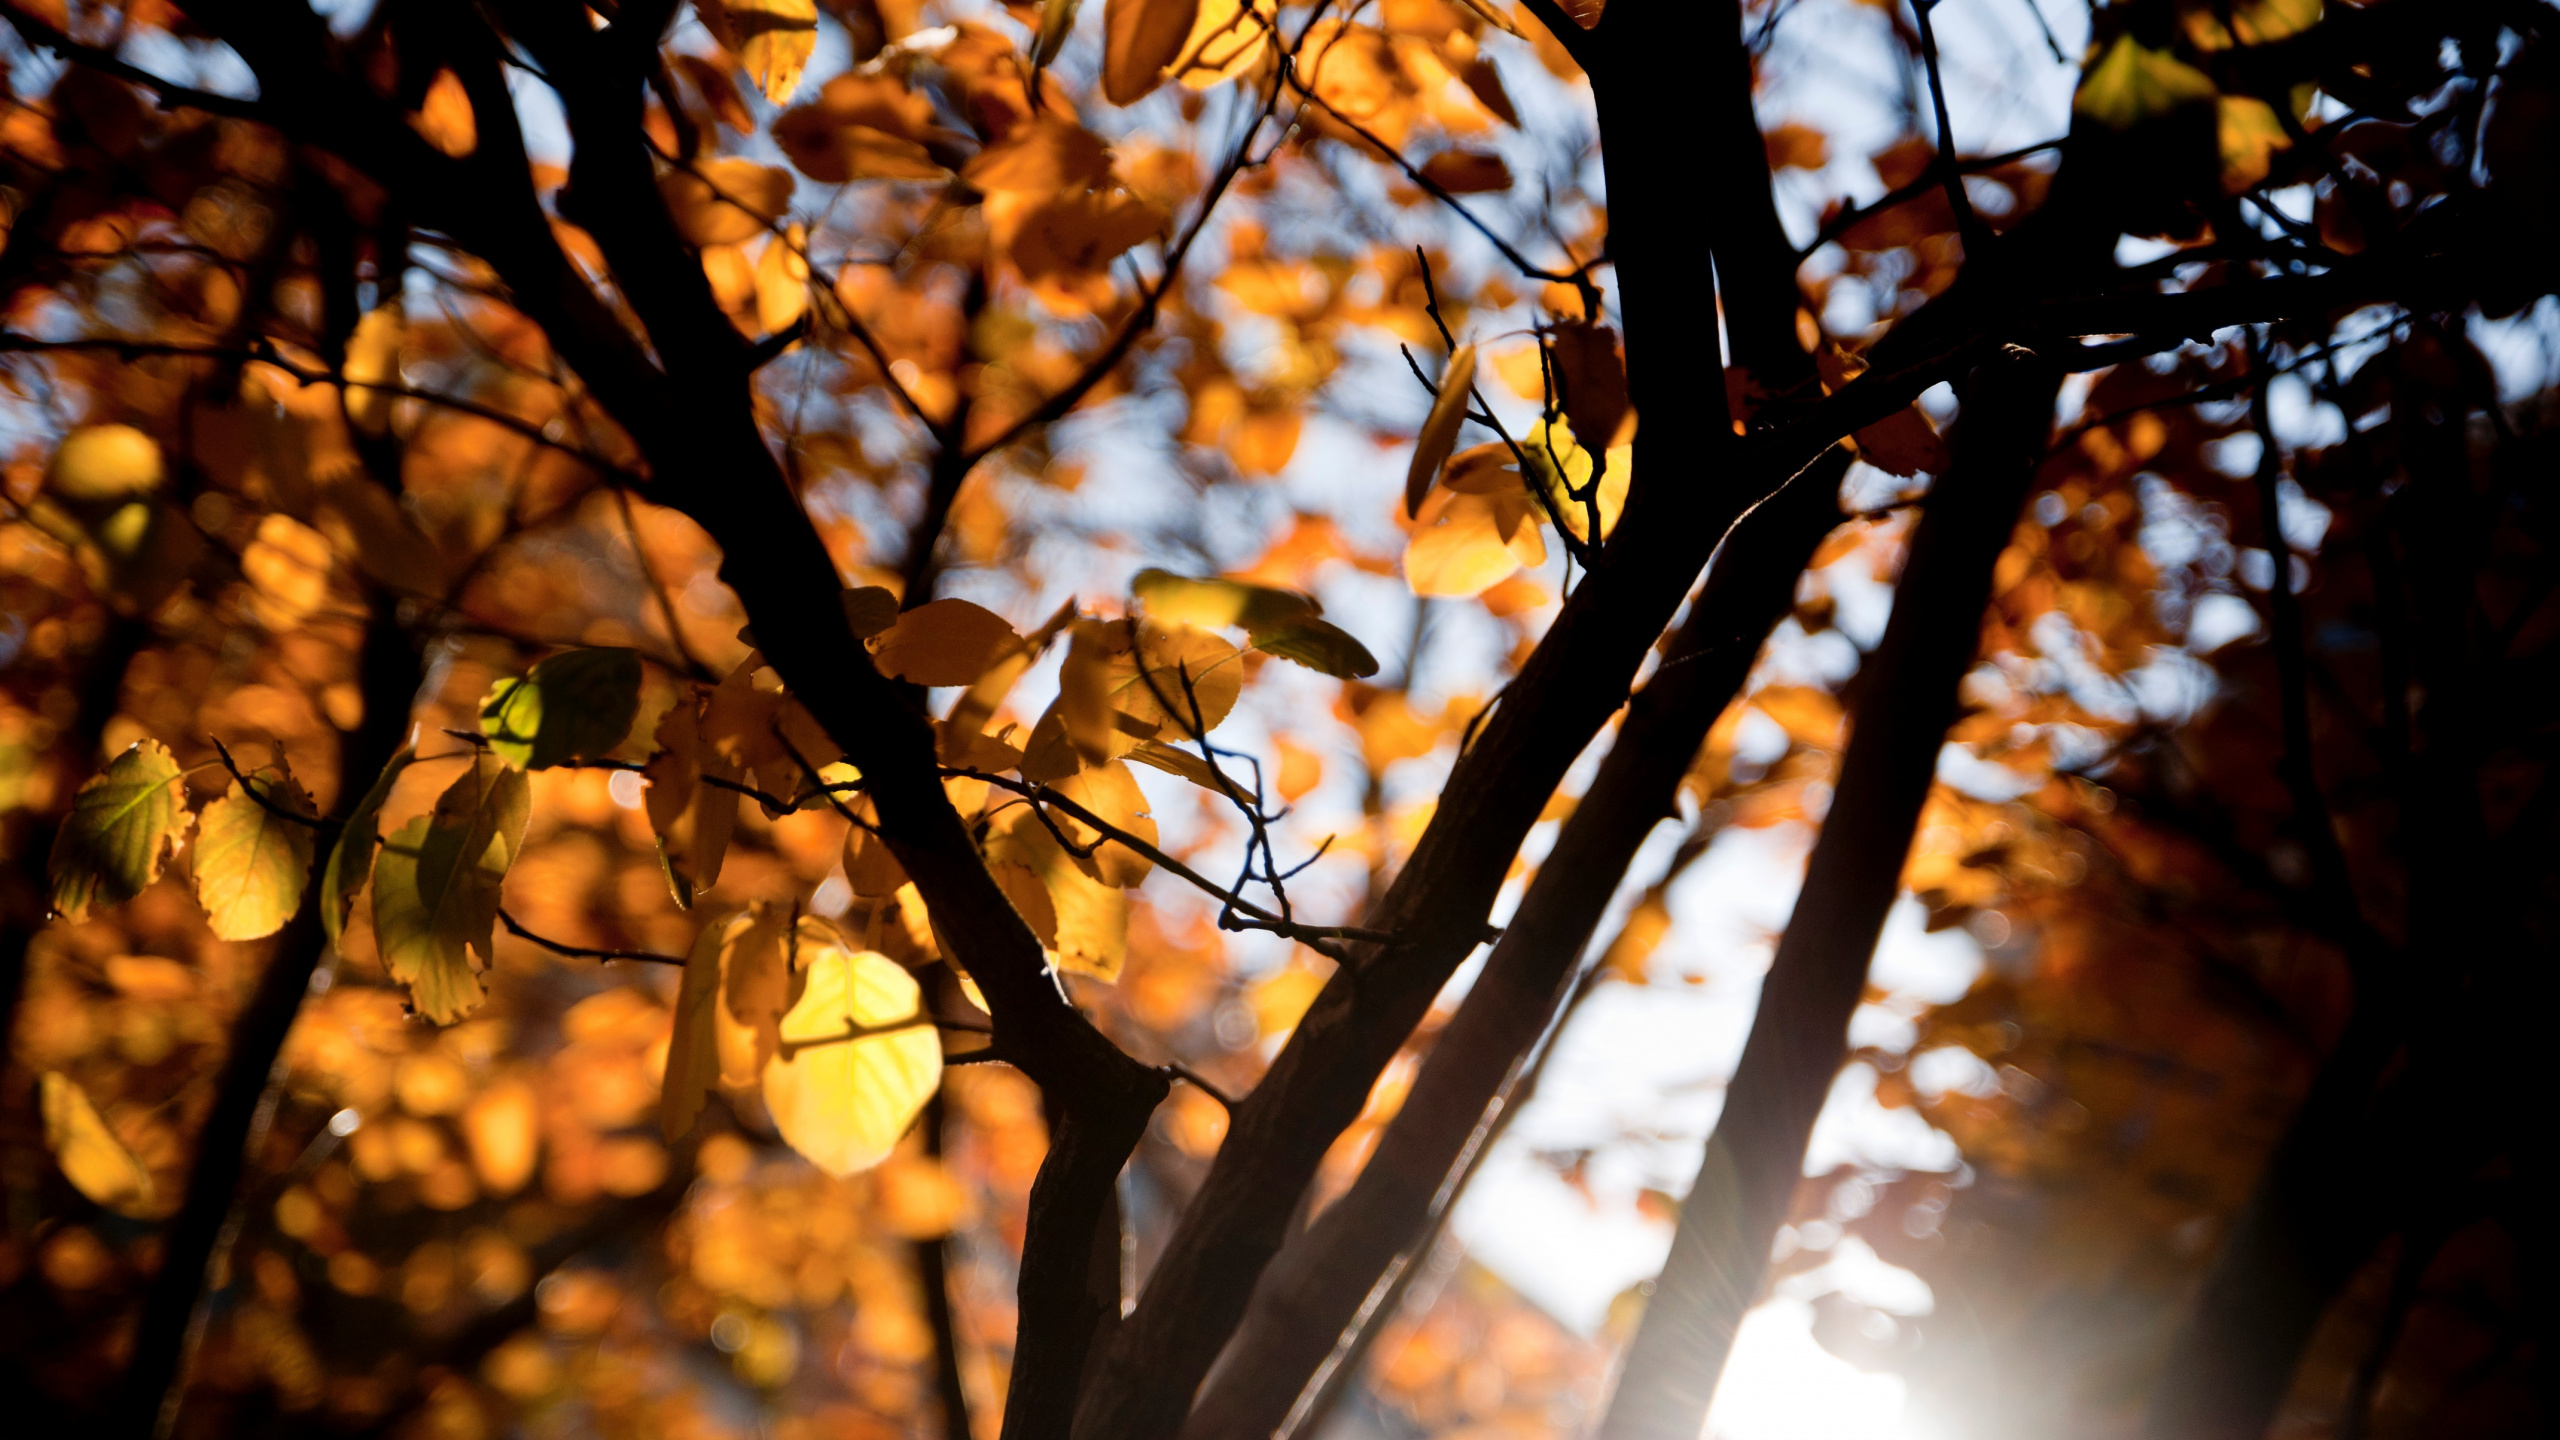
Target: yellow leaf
{"type": "Point", "coordinates": [1563, 465]}
{"type": "Point", "coordinates": [351, 859]}
{"type": "Point", "coordinates": [289, 564]}
{"type": "Point", "coordinates": [782, 280]}
{"type": "Point", "coordinates": [1464, 542]}
{"type": "Point", "coordinates": [1108, 700]}
{"type": "Point", "coordinates": [756, 987]}
{"type": "Point", "coordinates": [944, 642]}
{"type": "Point", "coordinates": [444, 117]}
{"type": "Point", "coordinates": [869, 867]}
{"type": "Point", "coordinates": [1083, 921]}
{"type": "Point", "coordinates": [373, 360]}
{"type": "Point", "coordinates": [122, 827]}
{"type": "Point", "coordinates": [102, 464]}
{"type": "Point", "coordinates": [1139, 39]}
{"type": "Point", "coordinates": [2133, 83]}
{"type": "Point", "coordinates": [693, 1049]}
{"type": "Point", "coordinates": [250, 862]}
{"type": "Point", "coordinates": [1280, 999]}
{"type": "Point", "coordinates": [1112, 794]}
{"type": "Point", "coordinates": [2250, 134]}
{"type": "Point", "coordinates": [92, 1158]}
{"type": "Point", "coordinates": [436, 883]}
{"type": "Point", "coordinates": [2253, 22]}
{"type": "Point", "coordinates": [725, 199]}
{"type": "Point", "coordinates": [774, 41]}
{"type": "Point", "coordinates": [1173, 760]}
{"type": "Point", "coordinates": [1439, 433]}
{"type": "Point", "coordinates": [502, 1128]}
{"type": "Point", "coordinates": [840, 1094]}
{"type": "Point", "coordinates": [1227, 39]}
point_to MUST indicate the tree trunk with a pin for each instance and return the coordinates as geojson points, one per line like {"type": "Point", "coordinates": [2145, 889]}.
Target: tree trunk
{"type": "Point", "coordinates": [1799, 1037]}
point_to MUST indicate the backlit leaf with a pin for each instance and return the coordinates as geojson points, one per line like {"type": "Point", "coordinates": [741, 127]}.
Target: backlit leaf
{"type": "Point", "coordinates": [1319, 645]}
{"type": "Point", "coordinates": [944, 642]}
{"type": "Point", "coordinates": [693, 1048]}
{"type": "Point", "coordinates": [774, 41]}
{"type": "Point", "coordinates": [444, 119]}
{"type": "Point", "coordinates": [725, 199]}
{"type": "Point", "coordinates": [2133, 83]}
{"type": "Point", "coordinates": [577, 704]}
{"type": "Point", "coordinates": [251, 864]}
{"type": "Point", "coordinates": [841, 1096]}
{"type": "Point", "coordinates": [1139, 39]}
{"type": "Point", "coordinates": [1111, 793]}
{"type": "Point", "coordinates": [436, 885]}
{"type": "Point", "coordinates": [95, 1162]}
{"type": "Point", "coordinates": [122, 827]}
{"type": "Point", "coordinates": [351, 859]}
{"type": "Point", "coordinates": [1439, 434]}
{"type": "Point", "coordinates": [103, 464]}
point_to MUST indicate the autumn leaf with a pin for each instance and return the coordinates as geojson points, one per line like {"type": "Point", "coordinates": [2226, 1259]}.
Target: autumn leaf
{"type": "Point", "coordinates": [2250, 134]}
{"type": "Point", "coordinates": [1120, 677]}
{"type": "Point", "coordinates": [436, 884]}
{"type": "Point", "coordinates": [773, 39]}
{"type": "Point", "coordinates": [943, 642]}
{"type": "Point", "coordinates": [1082, 920]}
{"type": "Point", "coordinates": [1467, 172]}
{"type": "Point", "coordinates": [351, 858]}
{"type": "Point", "coordinates": [1057, 22]}
{"type": "Point", "coordinates": [870, 609]}
{"type": "Point", "coordinates": [2134, 83]}
{"type": "Point", "coordinates": [123, 825]}
{"type": "Point", "coordinates": [444, 118]}
{"type": "Point", "coordinates": [1139, 39]}
{"type": "Point", "coordinates": [577, 704]}
{"type": "Point", "coordinates": [869, 867]}
{"type": "Point", "coordinates": [725, 199]}
{"type": "Point", "coordinates": [1439, 434]}
{"type": "Point", "coordinates": [250, 863]}
{"type": "Point", "coordinates": [841, 1094]}
{"type": "Point", "coordinates": [693, 820]}
{"type": "Point", "coordinates": [105, 464]}
{"type": "Point", "coordinates": [693, 1047]}
{"type": "Point", "coordinates": [1228, 39]}
{"type": "Point", "coordinates": [1903, 443]}
{"type": "Point", "coordinates": [95, 1162]}
{"type": "Point", "coordinates": [502, 1128]}
{"type": "Point", "coordinates": [1112, 795]}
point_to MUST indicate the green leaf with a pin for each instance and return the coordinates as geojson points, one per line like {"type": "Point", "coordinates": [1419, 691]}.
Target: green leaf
{"type": "Point", "coordinates": [1318, 645]}
{"type": "Point", "coordinates": [578, 704]}
{"type": "Point", "coordinates": [122, 827]}
{"type": "Point", "coordinates": [435, 887]}
{"type": "Point", "coordinates": [1184, 600]}
{"type": "Point", "coordinates": [351, 859]}
{"type": "Point", "coordinates": [250, 862]}
{"type": "Point", "coordinates": [2133, 83]}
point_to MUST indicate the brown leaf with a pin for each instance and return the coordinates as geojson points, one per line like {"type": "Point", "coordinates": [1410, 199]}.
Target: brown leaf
{"type": "Point", "coordinates": [1139, 39]}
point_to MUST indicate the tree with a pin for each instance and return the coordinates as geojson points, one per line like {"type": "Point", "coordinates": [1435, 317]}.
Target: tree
{"type": "Point", "coordinates": [539, 691]}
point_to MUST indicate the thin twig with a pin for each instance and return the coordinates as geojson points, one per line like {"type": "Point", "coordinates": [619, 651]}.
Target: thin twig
{"type": "Point", "coordinates": [250, 789]}
{"type": "Point", "coordinates": [517, 928]}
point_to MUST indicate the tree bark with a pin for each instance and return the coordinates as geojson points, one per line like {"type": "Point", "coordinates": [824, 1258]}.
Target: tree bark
{"type": "Point", "coordinates": [1897, 724]}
